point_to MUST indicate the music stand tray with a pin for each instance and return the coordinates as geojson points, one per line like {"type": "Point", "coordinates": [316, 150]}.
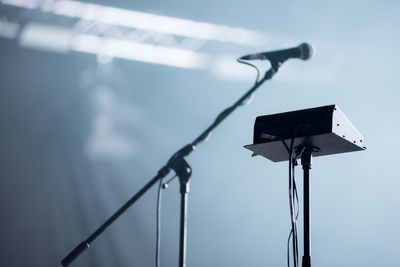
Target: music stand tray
{"type": "Point", "coordinates": [326, 128]}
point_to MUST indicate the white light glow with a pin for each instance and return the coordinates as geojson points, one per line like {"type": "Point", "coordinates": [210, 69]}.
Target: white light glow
{"type": "Point", "coordinates": [139, 51]}
{"type": "Point", "coordinates": [30, 4]}
{"type": "Point", "coordinates": [106, 140]}
{"type": "Point", "coordinates": [226, 67]}
{"type": "Point", "coordinates": [145, 21]}
{"type": "Point", "coordinates": [9, 29]}
{"type": "Point", "coordinates": [45, 37]}
{"type": "Point", "coordinates": [60, 39]}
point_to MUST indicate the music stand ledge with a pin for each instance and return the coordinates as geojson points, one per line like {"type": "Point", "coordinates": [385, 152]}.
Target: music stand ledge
{"type": "Point", "coordinates": [326, 128]}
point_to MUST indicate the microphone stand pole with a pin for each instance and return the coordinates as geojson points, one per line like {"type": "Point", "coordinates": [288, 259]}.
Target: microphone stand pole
{"type": "Point", "coordinates": [173, 163]}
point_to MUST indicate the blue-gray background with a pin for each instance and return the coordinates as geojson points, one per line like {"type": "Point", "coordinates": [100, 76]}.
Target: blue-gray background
{"type": "Point", "coordinates": [53, 194]}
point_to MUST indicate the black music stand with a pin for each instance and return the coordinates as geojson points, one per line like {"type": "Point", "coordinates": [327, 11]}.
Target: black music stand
{"type": "Point", "coordinates": [316, 132]}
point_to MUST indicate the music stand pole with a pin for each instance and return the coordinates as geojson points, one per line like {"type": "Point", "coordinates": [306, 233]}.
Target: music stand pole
{"type": "Point", "coordinates": [306, 160]}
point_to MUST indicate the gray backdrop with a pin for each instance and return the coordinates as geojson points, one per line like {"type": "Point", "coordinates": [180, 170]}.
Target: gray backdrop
{"type": "Point", "coordinates": [58, 185]}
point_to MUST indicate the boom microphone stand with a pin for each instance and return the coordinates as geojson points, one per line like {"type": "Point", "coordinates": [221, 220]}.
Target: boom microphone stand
{"type": "Point", "coordinates": [183, 171]}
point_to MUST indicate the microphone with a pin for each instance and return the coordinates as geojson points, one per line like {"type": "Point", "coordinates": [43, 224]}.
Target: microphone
{"type": "Point", "coordinates": [304, 51]}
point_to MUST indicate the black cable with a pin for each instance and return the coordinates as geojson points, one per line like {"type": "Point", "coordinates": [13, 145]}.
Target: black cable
{"type": "Point", "coordinates": [288, 248]}
{"type": "Point", "coordinates": [293, 196]}
{"type": "Point", "coordinates": [293, 212]}
{"type": "Point", "coordinates": [228, 110]}
{"type": "Point", "coordinates": [294, 235]}
{"type": "Point", "coordinates": [293, 232]}
{"type": "Point", "coordinates": [251, 65]}
{"type": "Point", "coordinates": [257, 78]}
{"type": "Point", "coordinates": [299, 151]}
{"type": "Point", "coordinates": [161, 186]}
{"type": "Point", "coordinates": [296, 211]}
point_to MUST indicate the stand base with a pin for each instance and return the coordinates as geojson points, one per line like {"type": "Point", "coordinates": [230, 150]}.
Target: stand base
{"type": "Point", "coordinates": [306, 261]}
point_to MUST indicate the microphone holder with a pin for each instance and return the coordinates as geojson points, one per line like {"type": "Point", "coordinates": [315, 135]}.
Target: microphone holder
{"type": "Point", "coordinates": [183, 171]}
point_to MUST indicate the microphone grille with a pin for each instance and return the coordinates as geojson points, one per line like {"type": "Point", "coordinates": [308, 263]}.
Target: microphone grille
{"type": "Point", "coordinates": [306, 51]}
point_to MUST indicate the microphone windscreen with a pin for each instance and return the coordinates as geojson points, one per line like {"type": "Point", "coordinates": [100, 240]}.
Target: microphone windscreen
{"type": "Point", "coordinates": [306, 51]}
